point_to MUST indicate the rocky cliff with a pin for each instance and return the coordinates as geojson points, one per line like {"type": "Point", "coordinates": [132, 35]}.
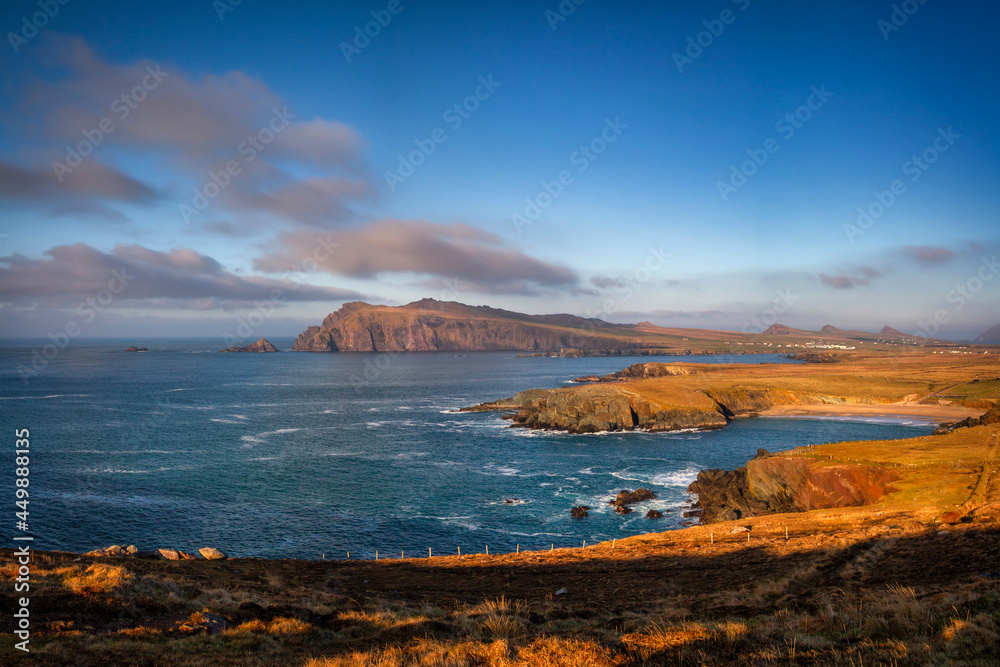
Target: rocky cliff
{"type": "Point", "coordinates": [429, 325]}
{"type": "Point", "coordinates": [774, 484]}
{"type": "Point", "coordinates": [596, 408]}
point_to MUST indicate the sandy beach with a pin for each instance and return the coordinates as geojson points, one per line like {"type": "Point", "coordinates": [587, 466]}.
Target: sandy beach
{"type": "Point", "coordinates": [937, 413]}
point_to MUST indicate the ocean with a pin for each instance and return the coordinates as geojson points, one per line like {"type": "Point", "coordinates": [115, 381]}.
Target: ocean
{"type": "Point", "coordinates": [307, 455]}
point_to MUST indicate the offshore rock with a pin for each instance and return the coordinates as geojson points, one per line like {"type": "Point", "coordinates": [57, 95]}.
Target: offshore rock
{"type": "Point", "coordinates": [263, 345]}
{"type": "Point", "coordinates": [626, 497]}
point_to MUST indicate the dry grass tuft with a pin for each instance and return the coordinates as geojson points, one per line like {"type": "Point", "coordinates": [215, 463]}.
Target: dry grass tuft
{"type": "Point", "coordinates": [98, 578]}
{"type": "Point", "coordinates": [663, 637]}
{"type": "Point", "coordinates": [288, 626]}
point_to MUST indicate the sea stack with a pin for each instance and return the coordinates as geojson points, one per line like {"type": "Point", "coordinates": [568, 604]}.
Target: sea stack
{"type": "Point", "coordinates": [263, 345]}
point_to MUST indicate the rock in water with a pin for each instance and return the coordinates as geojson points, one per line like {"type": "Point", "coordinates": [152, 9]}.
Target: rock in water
{"type": "Point", "coordinates": [263, 345]}
{"type": "Point", "coordinates": [211, 553]}
{"type": "Point", "coordinates": [579, 512]}
{"type": "Point", "coordinates": [623, 509]}
{"type": "Point", "coordinates": [626, 497]}
{"type": "Point", "coordinates": [654, 514]}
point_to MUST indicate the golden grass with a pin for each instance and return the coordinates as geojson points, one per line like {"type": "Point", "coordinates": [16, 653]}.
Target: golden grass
{"type": "Point", "coordinates": [97, 578]}
{"type": "Point", "coordinates": [288, 626]}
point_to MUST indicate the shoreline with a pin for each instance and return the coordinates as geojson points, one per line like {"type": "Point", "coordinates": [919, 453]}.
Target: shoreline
{"type": "Point", "coordinates": [935, 413]}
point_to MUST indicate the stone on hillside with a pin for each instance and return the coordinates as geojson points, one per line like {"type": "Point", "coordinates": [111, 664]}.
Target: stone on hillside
{"type": "Point", "coordinates": [211, 553]}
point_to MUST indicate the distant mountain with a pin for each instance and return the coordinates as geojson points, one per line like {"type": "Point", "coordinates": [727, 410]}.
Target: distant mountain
{"type": "Point", "coordinates": [782, 330]}
{"type": "Point", "coordinates": [991, 336]}
{"type": "Point", "coordinates": [894, 333]}
{"type": "Point", "coordinates": [833, 331]}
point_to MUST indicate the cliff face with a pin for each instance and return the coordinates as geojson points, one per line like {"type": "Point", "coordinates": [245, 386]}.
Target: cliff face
{"type": "Point", "coordinates": [775, 484]}
{"type": "Point", "coordinates": [745, 401]}
{"type": "Point", "coordinates": [429, 325]}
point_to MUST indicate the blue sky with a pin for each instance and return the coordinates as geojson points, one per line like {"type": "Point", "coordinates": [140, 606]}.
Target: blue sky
{"type": "Point", "coordinates": [869, 97]}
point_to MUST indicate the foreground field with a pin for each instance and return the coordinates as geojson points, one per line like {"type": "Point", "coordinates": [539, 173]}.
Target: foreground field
{"type": "Point", "coordinates": [911, 579]}
{"type": "Point", "coordinates": [889, 584]}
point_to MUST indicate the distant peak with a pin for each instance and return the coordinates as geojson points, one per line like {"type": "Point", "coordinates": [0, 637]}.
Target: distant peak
{"type": "Point", "coordinates": [990, 336]}
{"type": "Point", "coordinates": [426, 302]}
{"type": "Point", "coordinates": [889, 331]}
{"type": "Point", "coordinates": [830, 329]}
{"type": "Point", "coordinates": [779, 330]}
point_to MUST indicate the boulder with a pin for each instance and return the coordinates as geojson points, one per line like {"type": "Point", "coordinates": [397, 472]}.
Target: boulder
{"type": "Point", "coordinates": [623, 509]}
{"type": "Point", "coordinates": [186, 556]}
{"type": "Point", "coordinates": [654, 514]}
{"type": "Point", "coordinates": [579, 512]}
{"type": "Point", "coordinates": [149, 553]}
{"type": "Point", "coordinates": [626, 497]}
{"type": "Point", "coordinates": [951, 517]}
{"type": "Point", "coordinates": [202, 622]}
{"type": "Point", "coordinates": [169, 554]}
{"type": "Point", "coordinates": [131, 550]}
{"type": "Point", "coordinates": [115, 551]}
{"type": "Point", "coordinates": [211, 553]}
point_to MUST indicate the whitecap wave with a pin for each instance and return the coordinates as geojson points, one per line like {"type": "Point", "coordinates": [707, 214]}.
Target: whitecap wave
{"type": "Point", "coordinates": [259, 438]}
{"type": "Point", "coordinates": [39, 398]}
{"type": "Point", "coordinates": [677, 478]}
